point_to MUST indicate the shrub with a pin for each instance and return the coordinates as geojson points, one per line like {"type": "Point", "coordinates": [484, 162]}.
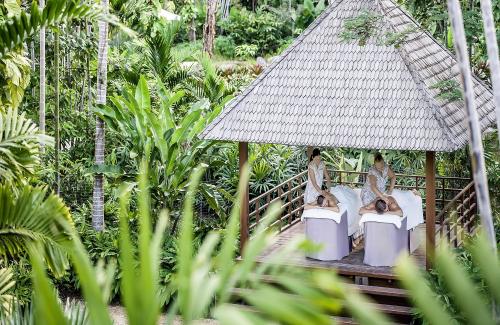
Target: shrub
{"type": "Point", "coordinates": [23, 288]}
{"type": "Point", "coordinates": [262, 28]}
{"type": "Point", "coordinates": [246, 51]}
{"type": "Point", "coordinates": [225, 46]}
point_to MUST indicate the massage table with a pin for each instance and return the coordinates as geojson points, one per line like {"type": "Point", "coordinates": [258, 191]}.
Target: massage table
{"type": "Point", "coordinates": [328, 229]}
{"type": "Point", "coordinates": [386, 238]}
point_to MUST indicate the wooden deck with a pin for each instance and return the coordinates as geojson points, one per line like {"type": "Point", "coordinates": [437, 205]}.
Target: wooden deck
{"type": "Point", "coordinates": [351, 265]}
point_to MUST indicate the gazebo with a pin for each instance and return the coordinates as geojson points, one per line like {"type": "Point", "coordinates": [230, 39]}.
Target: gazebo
{"type": "Point", "coordinates": [326, 92]}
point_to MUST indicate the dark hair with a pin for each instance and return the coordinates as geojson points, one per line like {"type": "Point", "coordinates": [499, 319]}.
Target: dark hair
{"type": "Point", "coordinates": [378, 157]}
{"type": "Point", "coordinates": [320, 199]}
{"type": "Point", "coordinates": [315, 153]}
{"type": "Point", "coordinates": [380, 206]}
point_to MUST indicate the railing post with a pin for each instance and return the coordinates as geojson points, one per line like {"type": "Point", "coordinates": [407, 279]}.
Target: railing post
{"type": "Point", "coordinates": [280, 193]}
{"type": "Point", "coordinates": [443, 191]}
{"type": "Point", "coordinates": [430, 206]}
{"type": "Point", "coordinates": [468, 217]}
{"type": "Point", "coordinates": [243, 153]}
{"type": "Point", "coordinates": [290, 207]}
{"type": "Point", "coordinates": [257, 210]}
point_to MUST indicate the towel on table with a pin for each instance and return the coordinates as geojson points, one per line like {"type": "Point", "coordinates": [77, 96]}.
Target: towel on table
{"type": "Point", "coordinates": [319, 213]}
{"type": "Point", "coordinates": [382, 218]}
{"type": "Point", "coordinates": [411, 205]}
{"type": "Point", "coordinates": [351, 200]}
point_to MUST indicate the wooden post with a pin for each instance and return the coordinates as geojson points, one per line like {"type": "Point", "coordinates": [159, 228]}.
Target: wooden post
{"type": "Point", "coordinates": [243, 149]}
{"type": "Point", "coordinates": [430, 206]}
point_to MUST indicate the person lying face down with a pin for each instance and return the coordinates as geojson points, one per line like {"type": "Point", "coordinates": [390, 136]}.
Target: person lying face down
{"type": "Point", "coordinates": [323, 202]}
{"type": "Point", "coordinates": [389, 206]}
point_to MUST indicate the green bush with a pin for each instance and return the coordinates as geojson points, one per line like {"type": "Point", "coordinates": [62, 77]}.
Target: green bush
{"type": "Point", "coordinates": [246, 51]}
{"type": "Point", "coordinates": [225, 46]}
{"type": "Point", "coordinates": [265, 29]}
{"type": "Point", "coordinates": [23, 289]}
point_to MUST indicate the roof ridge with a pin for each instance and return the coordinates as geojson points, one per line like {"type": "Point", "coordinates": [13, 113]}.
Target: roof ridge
{"type": "Point", "coordinates": [229, 107]}
{"type": "Point", "coordinates": [421, 86]}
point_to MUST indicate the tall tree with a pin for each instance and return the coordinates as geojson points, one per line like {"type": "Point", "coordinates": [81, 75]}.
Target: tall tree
{"type": "Point", "coordinates": [102, 68]}
{"type": "Point", "coordinates": [492, 46]}
{"type": "Point", "coordinates": [192, 23]}
{"type": "Point", "coordinates": [42, 75]}
{"type": "Point", "coordinates": [57, 144]}
{"type": "Point", "coordinates": [474, 129]}
{"type": "Point", "coordinates": [209, 28]}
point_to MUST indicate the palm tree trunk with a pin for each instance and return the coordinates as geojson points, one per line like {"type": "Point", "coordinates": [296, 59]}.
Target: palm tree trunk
{"type": "Point", "coordinates": [33, 65]}
{"type": "Point", "coordinates": [102, 65]}
{"type": "Point", "coordinates": [192, 30]}
{"type": "Point", "coordinates": [56, 111]}
{"type": "Point", "coordinates": [209, 28]}
{"type": "Point", "coordinates": [42, 75]}
{"type": "Point", "coordinates": [87, 71]}
{"type": "Point", "coordinates": [492, 46]}
{"type": "Point", "coordinates": [476, 145]}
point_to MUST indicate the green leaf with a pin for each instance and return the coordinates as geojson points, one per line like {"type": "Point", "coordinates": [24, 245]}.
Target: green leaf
{"type": "Point", "coordinates": [474, 307]}
{"type": "Point", "coordinates": [142, 95]}
{"type": "Point", "coordinates": [185, 253]}
{"type": "Point", "coordinates": [180, 133]}
{"type": "Point", "coordinates": [48, 310]}
{"type": "Point", "coordinates": [29, 216]}
{"type": "Point", "coordinates": [421, 294]}
{"type": "Point", "coordinates": [96, 306]}
{"type": "Point", "coordinates": [488, 264]}
{"type": "Point", "coordinates": [12, 7]}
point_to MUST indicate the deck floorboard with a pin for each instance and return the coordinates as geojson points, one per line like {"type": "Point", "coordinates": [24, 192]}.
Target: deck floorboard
{"type": "Point", "coordinates": [349, 265]}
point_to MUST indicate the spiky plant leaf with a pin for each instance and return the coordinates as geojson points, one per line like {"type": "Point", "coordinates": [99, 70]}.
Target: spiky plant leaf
{"type": "Point", "coordinates": [19, 145]}
{"type": "Point", "coordinates": [6, 299]}
{"type": "Point", "coordinates": [15, 31]}
{"type": "Point", "coordinates": [30, 215]}
{"type": "Point", "coordinates": [47, 309]}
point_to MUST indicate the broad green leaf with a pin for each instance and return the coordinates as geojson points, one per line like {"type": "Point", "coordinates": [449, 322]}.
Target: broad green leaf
{"type": "Point", "coordinates": [142, 95]}
{"type": "Point", "coordinates": [488, 264]}
{"type": "Point", "coordinates": [474, 307]}
{"type": "Point", "coordinates": [187, 122]}
{"type": "Point", "coordinates": [13, 8]}
{"type": "Point", "coordinates": [96, 306]}
{"type": "Point", "coordinates": [420, 292]}
{"type": "Point", "coordinates": [185, 252]}
{"type": "Point", "coordinates": [48, 310]}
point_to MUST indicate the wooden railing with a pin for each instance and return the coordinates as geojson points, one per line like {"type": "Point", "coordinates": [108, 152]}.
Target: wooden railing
{"type": "Point", "coordinates": [459, 217]}
{"type": "Point", "coordinates": [291, 194]}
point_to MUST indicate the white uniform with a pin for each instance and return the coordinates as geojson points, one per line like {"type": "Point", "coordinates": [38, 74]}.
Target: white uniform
{"type": "Point", "coordinates": [310, 194]}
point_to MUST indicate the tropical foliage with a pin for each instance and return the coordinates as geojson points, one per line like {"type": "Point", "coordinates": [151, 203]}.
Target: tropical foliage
{"type": "Point", "coordinates": [467, 299]}
{"type": "Point", "coordinates": [159, 175]}
{"type": "Point", "coordinates": [19, 146]}
{"type": "Point", "coordinates": [31, 217]}
{"type": "Point", "coordinates": [16, 29]}
{"type": "Point", "coordinates": [171, 146]}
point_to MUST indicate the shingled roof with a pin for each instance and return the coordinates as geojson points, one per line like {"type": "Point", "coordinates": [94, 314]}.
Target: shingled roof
{"type": "Point", "coordinates": [325, 92]}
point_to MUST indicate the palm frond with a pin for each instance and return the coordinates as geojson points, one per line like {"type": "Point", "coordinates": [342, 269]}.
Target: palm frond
{"type": "Point", "coordinates": [15, 31]}
{"type": "Point", "coordinates": [159, 59]}
{"type": "Point", "coordinates": [6, 283]}
{"type": "Point", "coordinates": [19, 145]}
{"type": "Point", "coordinates": [19, 315]}
{"type": "Point", "coordinates": [31, 216]}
